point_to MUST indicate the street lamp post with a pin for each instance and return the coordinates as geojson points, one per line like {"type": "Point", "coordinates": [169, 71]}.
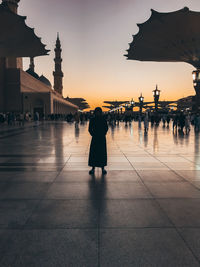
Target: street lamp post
{"type": "Point", "coordinates": [126, 107]}
{"type": "Point", "coordinates": [132, 103]}
{"type": "Point", "coordinates": [156, 95]}
{"type": "Point", "coordinates": [196, 83]}
{"type": "Point", "coordinates": [141, 102]}
{"type": "Point", "coordinates": [129, 106]}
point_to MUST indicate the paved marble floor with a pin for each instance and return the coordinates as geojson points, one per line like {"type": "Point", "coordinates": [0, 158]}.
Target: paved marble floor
{"type": "Point", "coordinates": [144, 212]}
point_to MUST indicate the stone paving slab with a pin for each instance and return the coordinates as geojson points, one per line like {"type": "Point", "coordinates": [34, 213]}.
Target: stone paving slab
{"type": "Point", "coordinates": [144, 247]}
{"type": "Point", "coordinates": [49, 248]}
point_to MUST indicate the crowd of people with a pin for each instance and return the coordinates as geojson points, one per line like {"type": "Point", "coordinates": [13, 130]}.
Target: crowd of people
{"type": "Point", "coordinates": [181, 121]}
{"type": "Point", "coordinates": [12, 118]}
{"type": "Point", "coordinates": [18, 119]}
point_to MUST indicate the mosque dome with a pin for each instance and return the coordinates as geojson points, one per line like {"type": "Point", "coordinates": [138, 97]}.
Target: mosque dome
{"type": "Point", "coordinates": [33, 73]}
{"type": "Point", "coordinates": [43, 79]}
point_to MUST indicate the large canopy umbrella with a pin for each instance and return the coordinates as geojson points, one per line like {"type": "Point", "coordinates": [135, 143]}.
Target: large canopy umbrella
{"type": "Point", "coordinates": [168, 37]}
{"type": "Point", "coordinates": [16, 38]}
{"type": "Point", "coordinates": [116, 103]}
{"type": "Point", "coordinates": [80, 102]}
{"type": "Point", "coordinates": [137, 104]}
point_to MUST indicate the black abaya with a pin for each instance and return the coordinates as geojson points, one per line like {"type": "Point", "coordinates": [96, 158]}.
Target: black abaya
{"type": "Point", "coordinates": [98, 152]}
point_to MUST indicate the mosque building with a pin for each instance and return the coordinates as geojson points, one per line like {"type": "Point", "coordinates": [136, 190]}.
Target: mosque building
{"type": "Point", "coordinates": [26, 91]}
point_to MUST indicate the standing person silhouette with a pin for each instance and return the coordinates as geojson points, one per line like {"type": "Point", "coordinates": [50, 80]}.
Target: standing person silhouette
{"type": "Point", "coordinates": [98, 128]}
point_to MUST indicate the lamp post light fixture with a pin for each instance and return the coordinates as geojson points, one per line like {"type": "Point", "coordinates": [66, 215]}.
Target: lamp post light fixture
{"type": "Point", "coordinates": [141, 102]}
{"type": "Point", "coordinates": [156, 95]}
{"type": "Point", "coordinates": [126, 106]}
{"type": "Point", "coordinates": [132, 104]}
{"type": "Point", "coordinates": [141, 99]}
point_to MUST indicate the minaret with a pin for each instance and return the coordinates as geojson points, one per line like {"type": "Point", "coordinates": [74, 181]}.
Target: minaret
{"type": "Point", "coordinates": [32, 65]}
{"type": "Point", "coordinates": [58, 74]}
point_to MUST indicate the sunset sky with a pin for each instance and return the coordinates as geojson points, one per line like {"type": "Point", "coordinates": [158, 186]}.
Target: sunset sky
{"type": "Point", "coordinates": [95, 35]}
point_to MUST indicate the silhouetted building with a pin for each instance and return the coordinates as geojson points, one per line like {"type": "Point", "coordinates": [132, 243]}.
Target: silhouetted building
{"type": "Point", "coordinates": [26, 91]}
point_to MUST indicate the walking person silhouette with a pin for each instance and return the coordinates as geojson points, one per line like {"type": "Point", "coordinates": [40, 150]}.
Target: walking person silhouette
{"type": "Point", "coordinates": [98, 128]}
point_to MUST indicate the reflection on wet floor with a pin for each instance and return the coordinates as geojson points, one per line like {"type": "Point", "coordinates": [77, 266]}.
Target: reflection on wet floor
{"type": "Point", "coordinates": [61, 146]}
{"type": "Point", "coordinates": [146, 207]}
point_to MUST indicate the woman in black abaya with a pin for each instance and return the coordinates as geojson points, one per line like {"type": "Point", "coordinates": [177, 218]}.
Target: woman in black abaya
{"type": "Point", "coordinates": [98, 153]}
